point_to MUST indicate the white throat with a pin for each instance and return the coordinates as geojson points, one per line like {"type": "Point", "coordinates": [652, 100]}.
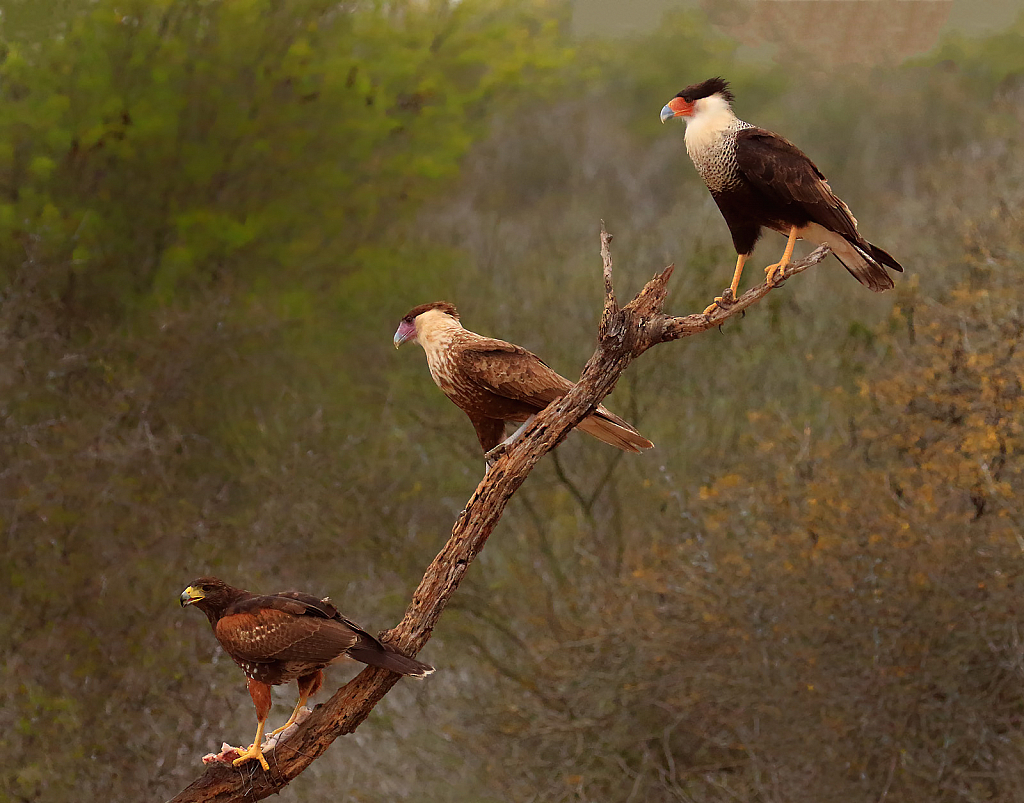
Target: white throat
{"type": "Point", "coordinates": [434, 330]}
{"type": "Point", "coordinates": [711, 120]}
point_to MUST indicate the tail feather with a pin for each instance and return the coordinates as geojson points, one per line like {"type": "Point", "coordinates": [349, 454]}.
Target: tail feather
{"type": "Point", "coordinates": [609, 428]}
{"type": "Point", "coordinates": [865, 261]}
{"type": "Point", "coordinates": [863, 265]}
{"type": "Point", "coordinates": [884, 257]}
{"type": "Point", "coordinates": [377, 654]}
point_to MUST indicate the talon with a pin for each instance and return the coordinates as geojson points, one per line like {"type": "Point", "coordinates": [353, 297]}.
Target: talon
{"type": "Point", "coordinates": [724, 301]}
{"type": "Point", "coordinates": [772, 273]}
{"type": "Point", "coordinates": [253, 752]}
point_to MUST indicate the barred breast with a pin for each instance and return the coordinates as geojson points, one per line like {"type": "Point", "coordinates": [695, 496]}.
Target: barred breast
{"type": "Point", "coordinates": [714, 156]}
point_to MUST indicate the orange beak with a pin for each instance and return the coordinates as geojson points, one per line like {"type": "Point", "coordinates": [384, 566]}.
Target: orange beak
{"type": "Point", "coordinates": [677, 107]}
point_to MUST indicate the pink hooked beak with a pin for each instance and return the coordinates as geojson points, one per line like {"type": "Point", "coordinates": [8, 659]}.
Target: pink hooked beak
{"type": "Point", "coordinates": [406, 331]}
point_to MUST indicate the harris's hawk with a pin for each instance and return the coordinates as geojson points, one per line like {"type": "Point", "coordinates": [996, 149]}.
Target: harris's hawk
{"type": "Point", "coordinates": [492, 381]}
{"type": "Point", "coordinates": [278, 638]}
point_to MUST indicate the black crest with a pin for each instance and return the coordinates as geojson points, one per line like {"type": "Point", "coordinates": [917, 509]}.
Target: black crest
{"type": "Point", "coordinates": [444, 306]}
{"type": "Point", "coordinates": [706, 89]}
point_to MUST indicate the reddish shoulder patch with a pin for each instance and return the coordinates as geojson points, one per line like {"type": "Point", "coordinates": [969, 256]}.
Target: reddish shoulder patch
{"type": "Point", "coordinates": [236, 623]}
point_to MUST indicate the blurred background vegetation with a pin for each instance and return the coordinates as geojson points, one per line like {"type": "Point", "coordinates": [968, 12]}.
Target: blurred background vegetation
{"type": "Point", "coordinates": [213, 214]}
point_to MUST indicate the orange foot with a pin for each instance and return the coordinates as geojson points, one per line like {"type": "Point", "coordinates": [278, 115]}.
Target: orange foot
{"type": "Point", "coordinates": [773, 272]}
{"type": "Point", "coordinates": [724, 301]}
{"type": "Point", "coordinates": [253, 752]}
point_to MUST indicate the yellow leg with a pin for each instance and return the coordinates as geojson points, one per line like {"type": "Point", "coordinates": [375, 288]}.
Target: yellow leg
{"type": "Point", "coordinates": [303, 699]}
{"type": "Point", "coordinates": [734, 287]}
{"type": "Point", "coordinates": [255, 751]}
{"type": "Point", "coordinates": [773, 270]}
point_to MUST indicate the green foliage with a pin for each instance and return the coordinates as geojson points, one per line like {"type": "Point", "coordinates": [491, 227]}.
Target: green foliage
{"type": "Point", "coordinates": [987, 61]}
{"type": "Point", "coordinates": [160, 148]}
{"type": "Point", "coordinates": [198, 204]}
{"type": "Point", "coordinates": [644, 72]}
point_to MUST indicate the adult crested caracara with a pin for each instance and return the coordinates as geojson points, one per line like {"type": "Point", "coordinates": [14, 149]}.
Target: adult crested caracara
{"type": "Point", "coordinates": [759, 179]}
{"type": "Point", "coordinates": [493, 381]}
{"type": "Point", "coordinates": [278, 638]}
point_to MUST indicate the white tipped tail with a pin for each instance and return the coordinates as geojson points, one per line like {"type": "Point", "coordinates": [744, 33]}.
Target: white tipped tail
{"type": "Point", "coordinates": [864, 268]}
{"type": "Point", "coordinates": [865, 262]}
{"type": "Point", "coordinates": [388, 658]}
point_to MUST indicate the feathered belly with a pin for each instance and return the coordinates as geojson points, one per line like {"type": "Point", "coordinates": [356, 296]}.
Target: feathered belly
{"type": "Point", "coordinates": [477, 401]}
{"type": "Point", "coordinates": [273, 673]}
{"type": "Point", "coordinates": [473, 399]}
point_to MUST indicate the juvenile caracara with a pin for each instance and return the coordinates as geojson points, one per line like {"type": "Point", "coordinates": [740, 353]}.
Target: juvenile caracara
{"type": "Point", "coordinates": [278, 638]}
{"type": "Point", "coordinates": [493, 381]}
{"type": "Point", "coordinates": [759, 179]}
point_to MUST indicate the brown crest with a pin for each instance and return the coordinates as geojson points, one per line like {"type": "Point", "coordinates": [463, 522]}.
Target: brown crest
{"type": "Point", "coordinates": [442, 306]}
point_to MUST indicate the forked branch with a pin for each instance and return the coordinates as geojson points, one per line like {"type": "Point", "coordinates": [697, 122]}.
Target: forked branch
{"type": "Point", "coordinates": [624, 335]}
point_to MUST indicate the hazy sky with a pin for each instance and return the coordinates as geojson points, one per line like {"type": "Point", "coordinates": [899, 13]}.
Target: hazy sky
{"type": "Point", "coordinates": [865, 31]}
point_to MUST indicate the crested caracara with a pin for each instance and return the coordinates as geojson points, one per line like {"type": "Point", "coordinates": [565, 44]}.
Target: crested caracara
{"type": "Point", "coordinates": [493, 381]}
{"type": "Point", "coordinates": [758, 179]}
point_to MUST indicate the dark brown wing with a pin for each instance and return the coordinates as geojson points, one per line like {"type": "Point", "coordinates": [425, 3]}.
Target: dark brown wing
{"type": "Point", "coordinates": [365, 647]}
{"type": "Point", "coordinates": [277, 628]}
{"type": "Point", "coordinates": [518, 381]}
{"type": "Point", "coordinates": [790, 181]}
{"type": "Point", "coordinates": [314, 606]}
{"type": "Point", "coordinates": [317, 607]}
{"type": "Point", "coordinates": [511, 372]}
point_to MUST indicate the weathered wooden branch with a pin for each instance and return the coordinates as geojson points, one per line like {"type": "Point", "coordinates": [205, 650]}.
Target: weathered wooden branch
{"type": "Point", "coordinates": [624, 334]}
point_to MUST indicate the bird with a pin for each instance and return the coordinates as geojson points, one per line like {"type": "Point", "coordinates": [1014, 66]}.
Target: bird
{"type": "Point", "coordinates": [759, 179]}
{"type": "Point", "coordinates": [492, 381]}
{"type": "Point", "coordinates": [278, 638]}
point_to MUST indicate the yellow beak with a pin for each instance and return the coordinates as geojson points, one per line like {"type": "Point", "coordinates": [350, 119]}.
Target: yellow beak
{"type": "Point", "coordinates": [190, 595]}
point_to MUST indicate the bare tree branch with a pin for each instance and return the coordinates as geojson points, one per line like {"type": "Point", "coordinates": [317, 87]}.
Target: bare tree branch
{"type": "Point", "coordinates": [611, 306]}
{"type": "Point", "coordinates": [623, 336]}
